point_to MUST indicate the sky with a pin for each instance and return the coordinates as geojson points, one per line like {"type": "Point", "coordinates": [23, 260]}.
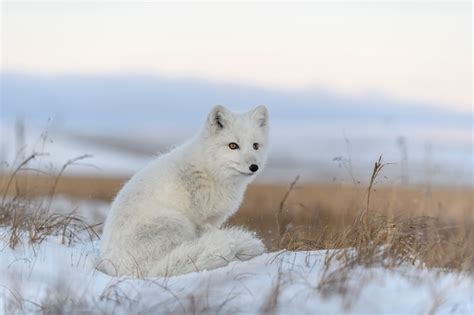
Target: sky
{"type": "Point", "coordinates": [407, 51]}
{"type": "Point", "coordinates": [340, 79]}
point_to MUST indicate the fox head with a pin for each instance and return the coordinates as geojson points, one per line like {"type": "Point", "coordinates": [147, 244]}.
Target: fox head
{"type": "Point", "coordinates": [236, 144]}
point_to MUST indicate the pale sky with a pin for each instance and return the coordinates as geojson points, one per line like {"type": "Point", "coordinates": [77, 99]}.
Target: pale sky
{"type": "Point", "coordinates": [406, 51]}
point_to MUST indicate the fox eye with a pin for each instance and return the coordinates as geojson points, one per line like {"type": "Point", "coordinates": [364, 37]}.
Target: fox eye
{"type": "Point", "coordinates": [256, 146]}
{"type": "Point", "coordinates": [233, 146]}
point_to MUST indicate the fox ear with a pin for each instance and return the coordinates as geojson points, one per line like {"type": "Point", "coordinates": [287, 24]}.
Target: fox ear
{"type": "Point", "coordinates": [217, 118]}
{"type": "Point", "coordinates": [260, 115]}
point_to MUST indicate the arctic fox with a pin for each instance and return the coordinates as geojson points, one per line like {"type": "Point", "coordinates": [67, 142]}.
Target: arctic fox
{"type": "Point", "coordinates": [167, 219]}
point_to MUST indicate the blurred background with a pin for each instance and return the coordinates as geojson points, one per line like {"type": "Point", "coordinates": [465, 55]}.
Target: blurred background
{"type": "Point", "coordinates": [344, 83]}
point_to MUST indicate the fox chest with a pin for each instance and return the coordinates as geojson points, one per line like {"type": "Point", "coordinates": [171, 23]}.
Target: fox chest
{"type": "Point", "coordinates": [211, 201]}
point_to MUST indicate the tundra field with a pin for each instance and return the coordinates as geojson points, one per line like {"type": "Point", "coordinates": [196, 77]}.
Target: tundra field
{"type": "Point", "coordinates": [312, 211]}
{"type": "Point", "coordinates": [356, 248]}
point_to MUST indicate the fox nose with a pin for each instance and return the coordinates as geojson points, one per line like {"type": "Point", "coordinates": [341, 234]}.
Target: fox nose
{"type": "Point", "coordinates": [253, 168]}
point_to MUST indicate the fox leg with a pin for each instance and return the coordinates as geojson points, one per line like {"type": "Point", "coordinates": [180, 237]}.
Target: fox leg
{"type": "Point", "coordinates": [213, 249]}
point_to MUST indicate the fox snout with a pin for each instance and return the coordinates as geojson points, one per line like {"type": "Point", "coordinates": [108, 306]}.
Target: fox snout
{"type": "Point", "coordinates": [253, 168]}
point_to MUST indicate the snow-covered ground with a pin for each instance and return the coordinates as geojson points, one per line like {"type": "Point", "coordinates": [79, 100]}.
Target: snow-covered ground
{"type": "Point", "coordinates": [52, 277]}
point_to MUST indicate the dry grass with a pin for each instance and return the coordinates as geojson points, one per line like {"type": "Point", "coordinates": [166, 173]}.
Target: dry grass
{"type": "Point", "coordinates": [413, 223]}
{"type": "Point", "coordinates": [24, 216]}
{"type": "Point", "coordinates": [379, 239]}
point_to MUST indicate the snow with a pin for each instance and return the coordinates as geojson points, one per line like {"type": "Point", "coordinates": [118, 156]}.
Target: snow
{"type": "Point", "coordinates": [318, 156]}
{"type": "Point", "coordinates": [57, 149]}
{"type": "Point", "coordinates": [55, 275]}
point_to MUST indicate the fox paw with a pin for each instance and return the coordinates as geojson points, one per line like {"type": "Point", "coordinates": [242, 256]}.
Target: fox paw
{"type": "Point", "coordinates": [248, 248]}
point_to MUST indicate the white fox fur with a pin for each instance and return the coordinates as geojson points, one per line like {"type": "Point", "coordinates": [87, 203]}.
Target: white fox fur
{"type": "Point", "coordinates": [167, 219]}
